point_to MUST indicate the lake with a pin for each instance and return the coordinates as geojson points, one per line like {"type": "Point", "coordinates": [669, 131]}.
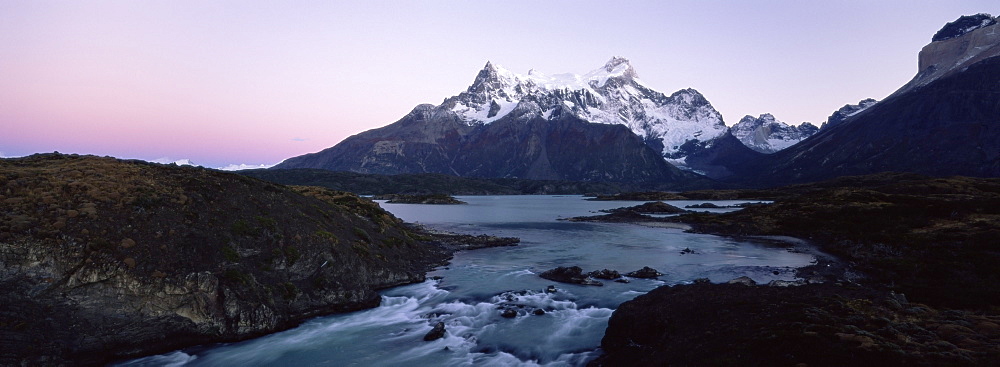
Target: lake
{"type": "Point", "coordinates": [563, 327]}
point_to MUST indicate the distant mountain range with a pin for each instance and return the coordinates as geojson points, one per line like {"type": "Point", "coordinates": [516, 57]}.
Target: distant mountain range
{"type": "Point", "coordinates": [607, 125]}
{"type": "Point", "coordinates": [767, 135]}
{"type": "Point", "coordinates": [683, 128]}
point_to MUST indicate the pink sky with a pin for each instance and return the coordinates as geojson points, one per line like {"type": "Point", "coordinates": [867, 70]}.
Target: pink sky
{"type": "Point", "coordinates": [256, 82]}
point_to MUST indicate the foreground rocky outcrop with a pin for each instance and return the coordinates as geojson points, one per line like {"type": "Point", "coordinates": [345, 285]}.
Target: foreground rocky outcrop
{"type": "Point", "coordinates": [705, 324]}
{"type": "Point", "coordinates": [103, 259]}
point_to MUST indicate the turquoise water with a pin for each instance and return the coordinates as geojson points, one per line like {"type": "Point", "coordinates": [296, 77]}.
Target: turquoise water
{"type": "Point", "coordinates": [469, 294]}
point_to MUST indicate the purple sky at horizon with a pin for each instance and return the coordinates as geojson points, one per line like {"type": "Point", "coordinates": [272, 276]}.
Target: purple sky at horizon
{"type": "Point", "coordinates": [254, 82]}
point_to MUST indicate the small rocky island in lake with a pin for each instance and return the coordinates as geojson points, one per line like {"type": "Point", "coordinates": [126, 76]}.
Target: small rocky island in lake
{"type": "Point", "coordinates": [655, 207]}
{"type": "Point", "coordinates": [633, 214]}
{"type": "Point", "coordinates": [639, 196]}
{"type": "Point", "coordinates": [419, 199]}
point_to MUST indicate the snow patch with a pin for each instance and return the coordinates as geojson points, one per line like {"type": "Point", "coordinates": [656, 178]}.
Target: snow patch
{"type": "Point", "coordinates": [242, 166]}
{"type": "Point", "coordinates": [179, 162]}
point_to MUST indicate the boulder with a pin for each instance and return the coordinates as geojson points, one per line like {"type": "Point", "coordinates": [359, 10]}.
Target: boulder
{"type": "Point", "coordinates": [745, 280]}
{"type": "Point", "coordinates": [605, 274]}
{"type": "Point", "coordinates": [436, 333]}
{"type": "Point", "coordinates": [646, 272]}
{"type": "Point", "coordinates": [572, 275]}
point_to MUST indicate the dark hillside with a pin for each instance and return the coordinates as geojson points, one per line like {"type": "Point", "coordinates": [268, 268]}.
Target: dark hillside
{"type": "Point", "coordinates": [103, 259]}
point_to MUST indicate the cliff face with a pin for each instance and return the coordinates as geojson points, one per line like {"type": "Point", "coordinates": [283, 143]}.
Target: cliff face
{"type": "Point", "coordinates": [102, 259]}
{"type": "Point", "coordinates": [944, 57]}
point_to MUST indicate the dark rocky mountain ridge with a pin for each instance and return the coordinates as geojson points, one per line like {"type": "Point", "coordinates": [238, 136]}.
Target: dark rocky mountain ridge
{"type": "Point", "coordinates": [946, 121]}
{"type": "Point", "coordinates": [522, 144]}
{"type": "Point", "coordinates": [848, 110]}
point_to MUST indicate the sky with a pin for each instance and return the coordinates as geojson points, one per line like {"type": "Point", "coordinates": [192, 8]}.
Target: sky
{"type": "Point", "coordinates": [255, 82]}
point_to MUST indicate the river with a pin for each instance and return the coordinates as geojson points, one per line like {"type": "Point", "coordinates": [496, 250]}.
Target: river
{"type": "Point", "coordinates": [469, 294]}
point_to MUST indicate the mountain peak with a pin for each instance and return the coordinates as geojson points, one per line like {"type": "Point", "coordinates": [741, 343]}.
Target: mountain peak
{"type": "Point", "coordinates": [958, 45]}
{"type": "Point", "coordinates": [766, 134]}
{"type": "Point", "coordinates": [615, 62]}
{"type": "Point", "coordinates": [619, 66]}
{"type": "Point", "coordinates": [963, 25]}
{"type": "Point", "coordinates": [610, 94]}
{"type": "Point", "coordinates": [492, 78]}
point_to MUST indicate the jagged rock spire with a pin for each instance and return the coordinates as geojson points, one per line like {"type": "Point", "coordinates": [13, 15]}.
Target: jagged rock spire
{"type": "Point", "coordinates": [617, 62]}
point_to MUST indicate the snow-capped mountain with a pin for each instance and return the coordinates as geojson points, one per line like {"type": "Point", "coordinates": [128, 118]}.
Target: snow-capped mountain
{"type": "Point", "coordinates": [604, 125]}
{"type": "Point", "coordinates": [848, 110]}
{"type": "Point", "coordinates": [767, 135]}
{"type": "Point", "coordinates": [953, 49]}
{"type": "Point", "coordinates": [612, 94]}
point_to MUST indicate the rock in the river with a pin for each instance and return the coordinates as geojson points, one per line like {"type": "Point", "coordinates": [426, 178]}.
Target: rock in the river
{"type": "Point", "coordinates": [745, 280]}
{"type": "Point", "coordinates": [572, 274]}
{"type": "Point", "coordinates": [436, 333]}
{"type": "Point", "coordinates": [508, 313]}
{"type": "Point", "coordinates": [606, 274]}
{"type": "Point", "coordinates": [645, 272]}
